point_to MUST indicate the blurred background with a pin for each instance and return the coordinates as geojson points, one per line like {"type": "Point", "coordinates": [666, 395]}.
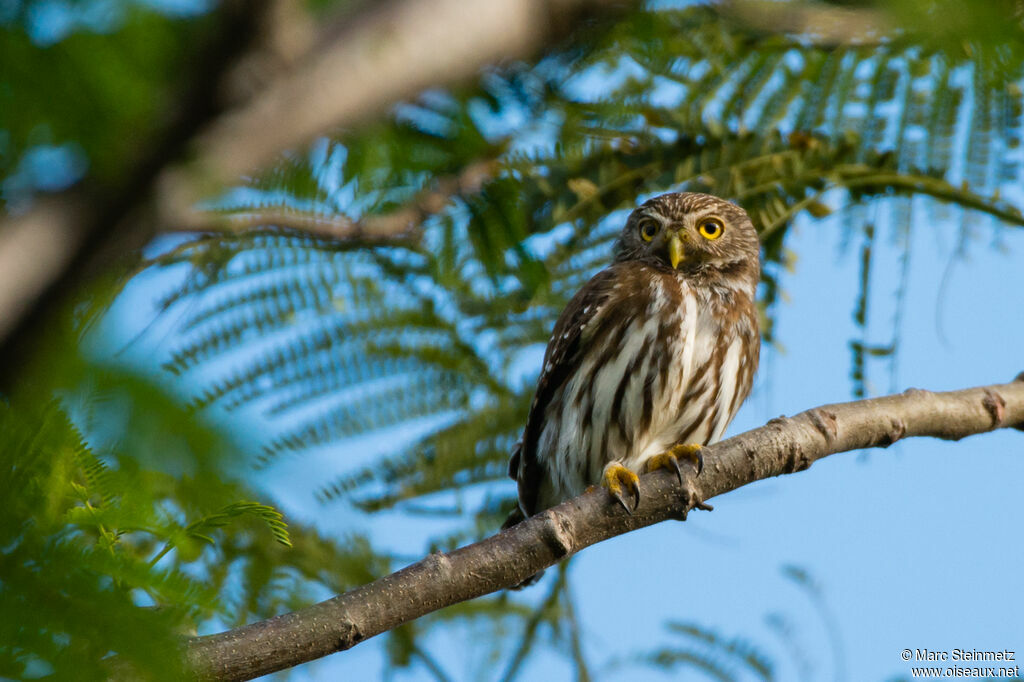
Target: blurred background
{"type": "Point", "coordinates": [276, 279]}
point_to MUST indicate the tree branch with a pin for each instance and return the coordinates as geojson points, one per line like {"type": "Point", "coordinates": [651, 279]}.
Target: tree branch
{"type": "Point", "coordinates": [783, 446]}
{"type": "Point", "coordinates": [392, 52]}
{"type": "Point", "coordinates": [401, 224]}
{"type": "Point", "coordinates": [821, 23]}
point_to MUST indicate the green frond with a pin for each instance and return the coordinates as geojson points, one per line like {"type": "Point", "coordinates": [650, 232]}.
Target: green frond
{"type": "Point", "coordinates": [421, 395]}
{"type": "Point", "coordinates": [273, 519]}
{"type": "Point", "coordinates": [341, 355]}
{"type": "Point", "coordinates": [280, 299]}
{"type": "Point", "coordinates": [62, 587]}
{"type": "Point", "coordinates": [472, 450]}
{"type": "Point", "coordinates": [88, 562]}
{"type": "Point", "coordinates": [709, 652]}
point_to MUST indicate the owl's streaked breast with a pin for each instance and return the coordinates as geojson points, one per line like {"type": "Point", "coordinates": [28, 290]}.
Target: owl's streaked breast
{"type": "Point", "coordinates": [677, 374]}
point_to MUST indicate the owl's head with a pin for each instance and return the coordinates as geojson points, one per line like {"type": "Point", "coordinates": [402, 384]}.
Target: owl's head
{"type": "Point", "coordinates": [691, 233]}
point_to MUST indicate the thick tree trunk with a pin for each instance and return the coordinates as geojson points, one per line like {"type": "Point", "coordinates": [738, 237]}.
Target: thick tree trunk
{"type": "Point", "coordinates": [783, 446]}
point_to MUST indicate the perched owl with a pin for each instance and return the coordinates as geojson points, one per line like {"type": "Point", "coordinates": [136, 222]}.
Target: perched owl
{"type": "Point", "coordinates": [651, 358]}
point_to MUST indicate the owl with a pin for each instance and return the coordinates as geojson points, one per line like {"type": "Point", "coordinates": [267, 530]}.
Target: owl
{"type": "Point", "coordinates": [650, 360]}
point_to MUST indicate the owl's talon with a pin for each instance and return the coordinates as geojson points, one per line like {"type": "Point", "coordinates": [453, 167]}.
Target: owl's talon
{"type": "Point", "coordinates": [621, 482]}
{"type": "Point", "coordinates": [666, 461]}
{"type": "Point", "coordinates": [621, 499]}
{"type": "Point", "coordinates": [670, 459]}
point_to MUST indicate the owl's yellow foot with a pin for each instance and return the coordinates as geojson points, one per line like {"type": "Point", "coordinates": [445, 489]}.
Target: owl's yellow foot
{"type": "Point", "coordinates": [670, 459]}
{"type": "Point", "coordinates": [622, 484]}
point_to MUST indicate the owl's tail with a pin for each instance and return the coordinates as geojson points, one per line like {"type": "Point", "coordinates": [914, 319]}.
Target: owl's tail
{"type": "Point", "coordinates": [514, 518]}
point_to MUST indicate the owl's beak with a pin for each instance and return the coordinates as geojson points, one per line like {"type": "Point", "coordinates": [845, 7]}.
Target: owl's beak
{"type": "Point", "coordinates": [676, 251]}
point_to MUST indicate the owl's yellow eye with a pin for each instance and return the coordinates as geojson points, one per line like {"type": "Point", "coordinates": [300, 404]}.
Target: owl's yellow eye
{"type": "Point", "coordinates": [648, 228]}
{"type": "Point", "coordinates": [711, 228]}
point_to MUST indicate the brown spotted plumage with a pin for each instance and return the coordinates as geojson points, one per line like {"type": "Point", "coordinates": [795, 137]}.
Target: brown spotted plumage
{"type": "Point", "coordinates": [658, 349]}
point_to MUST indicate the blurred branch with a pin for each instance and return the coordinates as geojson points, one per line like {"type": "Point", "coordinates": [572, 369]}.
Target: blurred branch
{"type": "Point", "coordinates": [575, 635]}
{"type": "Point", "coordinates": [783, 446]}
{"type": "Point", "coordinates": [354, 70]}
{"type": "Point", "coordinates": [392, 52]}
{"type": "Point", "coordinates": [820, 23]}
{"type": "Point", "coordinates": [397, 225]}
{"type": "Point", "coordinates": [32, 246]}
{"type": "Point", "coordinates": [404, 223]}
{"type": "Point", "coordinates": [542, 613]}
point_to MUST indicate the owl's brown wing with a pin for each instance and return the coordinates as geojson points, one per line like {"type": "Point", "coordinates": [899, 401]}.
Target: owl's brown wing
{"type": "Point", "coordinates": [562, 357]}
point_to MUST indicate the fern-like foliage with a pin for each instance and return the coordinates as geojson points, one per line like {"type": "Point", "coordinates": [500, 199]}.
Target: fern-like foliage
{"type": "Point", "coordinates": [119, 541]}
{"type": "Point", "coordinates": [718, 657]}
{"type": "Point", "coordinates": [695, 647]}
{"type": "Point", "coordinates": [61, 554]}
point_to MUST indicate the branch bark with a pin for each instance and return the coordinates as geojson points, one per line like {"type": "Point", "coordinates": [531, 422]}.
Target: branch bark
{"type": "Point", "coordinates": [783, 446]}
